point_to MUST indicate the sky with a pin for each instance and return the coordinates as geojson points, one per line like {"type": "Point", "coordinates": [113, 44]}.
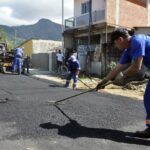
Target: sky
{"type": "Point", "coordinates": [26, 12]}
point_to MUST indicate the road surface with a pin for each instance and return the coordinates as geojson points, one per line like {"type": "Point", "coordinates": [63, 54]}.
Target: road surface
{"type": "Point", "coordinates": [93, 121]}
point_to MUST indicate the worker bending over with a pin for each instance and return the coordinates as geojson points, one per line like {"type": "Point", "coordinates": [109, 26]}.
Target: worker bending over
{"type": "Point", "coordinates": [73, 71]}
{"type": "Point", "coordinates": [136, 50]}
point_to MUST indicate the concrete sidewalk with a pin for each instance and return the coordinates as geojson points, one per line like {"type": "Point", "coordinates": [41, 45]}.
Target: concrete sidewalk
{"type": "Point", "coordinates": [84, 83]}
{"type": "Point", "coordinates": [87, 83]}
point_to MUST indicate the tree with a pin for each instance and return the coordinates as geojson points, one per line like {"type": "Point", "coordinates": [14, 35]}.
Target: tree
{"type": "Point", "coordinates": [4, 38]}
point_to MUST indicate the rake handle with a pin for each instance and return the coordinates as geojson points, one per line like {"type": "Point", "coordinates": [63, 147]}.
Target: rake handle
{"type": "Point", "coordinates": [74, 96]}
{"type": "Point", "coordinates": [79, 94]}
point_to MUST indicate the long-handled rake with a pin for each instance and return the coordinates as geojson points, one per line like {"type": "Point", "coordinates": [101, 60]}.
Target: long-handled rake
{"type": "Point", "coordinates": [52, 102]}
{"type": "Point", "coordinates": [84, 84]}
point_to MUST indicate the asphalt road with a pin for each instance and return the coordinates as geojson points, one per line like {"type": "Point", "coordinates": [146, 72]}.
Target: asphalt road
{"type": "Point", "coordinates": [93, 121]}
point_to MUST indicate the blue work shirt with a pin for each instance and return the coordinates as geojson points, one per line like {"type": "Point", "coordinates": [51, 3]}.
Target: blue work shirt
{"type": "Point", "coordinates": [140, 46]}
{"type": "Point", "coordinates": [73, 66]}
{"type": "Point", "coordinates": [19, 52]}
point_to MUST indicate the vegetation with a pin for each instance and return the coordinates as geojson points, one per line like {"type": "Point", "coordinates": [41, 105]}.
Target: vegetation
{"type": "Point", "coordinates": [4, 38]}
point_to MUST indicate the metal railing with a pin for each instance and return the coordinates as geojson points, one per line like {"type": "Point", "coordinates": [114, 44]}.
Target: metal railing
{"type": "Point", "coordinates": [97, 16]}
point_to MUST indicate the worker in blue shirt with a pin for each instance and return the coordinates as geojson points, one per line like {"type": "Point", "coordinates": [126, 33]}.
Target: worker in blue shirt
{"type": "Point", "coordinates": [136, 51]}
{"type": "Point", "coordinates": [17, 63]}
{"type": "Point", "coordinates": [73, 71]}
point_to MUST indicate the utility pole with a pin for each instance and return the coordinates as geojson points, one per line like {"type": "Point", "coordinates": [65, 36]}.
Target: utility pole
{"type": "Point", "coordinates": [89, 35]}
{"type": "Point", "coordinates": [15, 36]}
{"type": "Point", "coordinates": [90, 22]}
{"type": "Point", "coordinates": [62, 25]}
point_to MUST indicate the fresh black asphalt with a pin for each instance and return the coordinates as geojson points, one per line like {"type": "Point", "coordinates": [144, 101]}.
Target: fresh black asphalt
{"type": "Point", "coordinates": [93, 121]}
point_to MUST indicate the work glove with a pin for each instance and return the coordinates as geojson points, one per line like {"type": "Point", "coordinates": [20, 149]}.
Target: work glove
{"type": "Point", "coordinates": [101, 85]}
{"type": "Point", "coordinates": [119, 80]}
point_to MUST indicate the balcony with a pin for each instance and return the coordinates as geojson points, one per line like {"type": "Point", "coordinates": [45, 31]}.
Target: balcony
{"type": "Point", "coordinates": [83, 20]}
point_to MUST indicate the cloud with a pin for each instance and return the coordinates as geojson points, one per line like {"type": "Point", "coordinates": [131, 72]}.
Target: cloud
{"type": "Point", "coordinates": [29, 11]}
{"type": "Point", "coordinates": [5, 17]}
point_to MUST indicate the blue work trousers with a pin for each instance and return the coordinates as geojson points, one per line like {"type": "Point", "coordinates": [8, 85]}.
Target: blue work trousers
{"type": "Point", "coordinates": [147, 104]}
{"type": "Point", "coordinates": [17, 65]}
{"type": "Point", "coordinates": [72, 75]}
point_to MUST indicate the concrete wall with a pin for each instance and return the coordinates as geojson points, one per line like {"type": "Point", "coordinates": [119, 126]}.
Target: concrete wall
{"type": "Point", "coordinates": [68, 41]}
{"type": "Point", "coordinates": [39, 51]}
{"type": "Point", "coordinates": [142, 30]}
{"type": "Point", "coordinates": [52, 62]}
{"type": "Point", "coordinates": [96, 68]}
{"type": "Point", "coordinates": [40, 46]}
{"type": "Point", "coordinates": [95, 59]}
{"type": "Point", "coordinates": [45, 46]}
{"type": "Point", "coordinates": [40, 61]}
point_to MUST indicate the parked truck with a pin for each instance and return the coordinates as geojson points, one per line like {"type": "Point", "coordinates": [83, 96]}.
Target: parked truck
{"type": "Point", "coordinates": [6, 58]}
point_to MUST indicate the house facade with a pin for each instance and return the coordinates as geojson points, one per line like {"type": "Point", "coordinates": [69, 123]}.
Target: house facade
{"type": "Point", "coordinates": [88, 31]}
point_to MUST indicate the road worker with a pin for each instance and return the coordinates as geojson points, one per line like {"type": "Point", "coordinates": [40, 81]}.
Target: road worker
{"type": "Point", "coordinates": [136, 51]}
{"type": "Point", "coordinates": [73, 71]}
{"type": "Point", "coordinates": [17, 63]}
{"type": "Point", "coordinates": [26, 64]}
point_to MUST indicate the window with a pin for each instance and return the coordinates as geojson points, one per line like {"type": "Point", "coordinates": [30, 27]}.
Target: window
{"type": "Point", "coordinates": [85, 7]}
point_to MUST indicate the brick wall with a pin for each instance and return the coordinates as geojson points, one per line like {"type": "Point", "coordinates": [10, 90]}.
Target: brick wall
{"type": "Point", "coordinates": [131, 14]}
{"type": "Point", "coordinates": [111, 10]}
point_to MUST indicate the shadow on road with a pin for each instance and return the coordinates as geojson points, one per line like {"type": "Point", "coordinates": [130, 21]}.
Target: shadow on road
{"type": "Point", "coordinates": [55, 85]}
{"type": "Point", "coordinates": [75, 130]}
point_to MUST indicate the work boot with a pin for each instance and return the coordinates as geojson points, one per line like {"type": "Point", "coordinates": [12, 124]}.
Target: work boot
{"type": "Point", "coordinates": [67, 84]}
{"type": "Point", "coordinates": [74, 86]}
{"type": "Point", "coordinates": [143, 134]}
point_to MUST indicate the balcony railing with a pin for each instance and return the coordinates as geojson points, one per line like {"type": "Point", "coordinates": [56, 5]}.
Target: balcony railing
{"type": "Point", "coordinates": [83, 20]}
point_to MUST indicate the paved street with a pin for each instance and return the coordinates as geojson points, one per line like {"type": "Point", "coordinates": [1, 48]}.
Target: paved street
{"type": "Point", "coordinates": [93, 121]}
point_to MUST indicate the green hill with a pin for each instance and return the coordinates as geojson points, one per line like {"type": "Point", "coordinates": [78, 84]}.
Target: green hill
{"type": "Point", "coordinates": [43, 29]}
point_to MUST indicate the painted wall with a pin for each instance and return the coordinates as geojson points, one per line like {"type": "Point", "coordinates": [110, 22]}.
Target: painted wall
{"type": "Point", "coordinates": [111, 11]}
{"type": "Point", "coordinates": [119, 12]}
{"type": "Point", "coordinates": [126, 13]}
{"type": "Point", "coordinates": [96, 5]}
{"type": "Point", "coordinates": [40, 46]}
{"type": "Point", "coordinates": [27, 48]}
{"type": "Point", "coordinates": [132, 14]}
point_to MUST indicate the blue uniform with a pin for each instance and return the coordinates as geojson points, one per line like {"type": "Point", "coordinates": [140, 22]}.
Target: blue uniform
{"type": "Point", "coordinates": [17, 64]}
{"type": "Point", "coordinates": [140, 46]}
{"type": "Point", "coordinates": [73, 67]}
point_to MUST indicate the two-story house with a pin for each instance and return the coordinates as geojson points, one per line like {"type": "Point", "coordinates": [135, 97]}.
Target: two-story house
{"type": "Point", "coordinates": [88, 32]}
